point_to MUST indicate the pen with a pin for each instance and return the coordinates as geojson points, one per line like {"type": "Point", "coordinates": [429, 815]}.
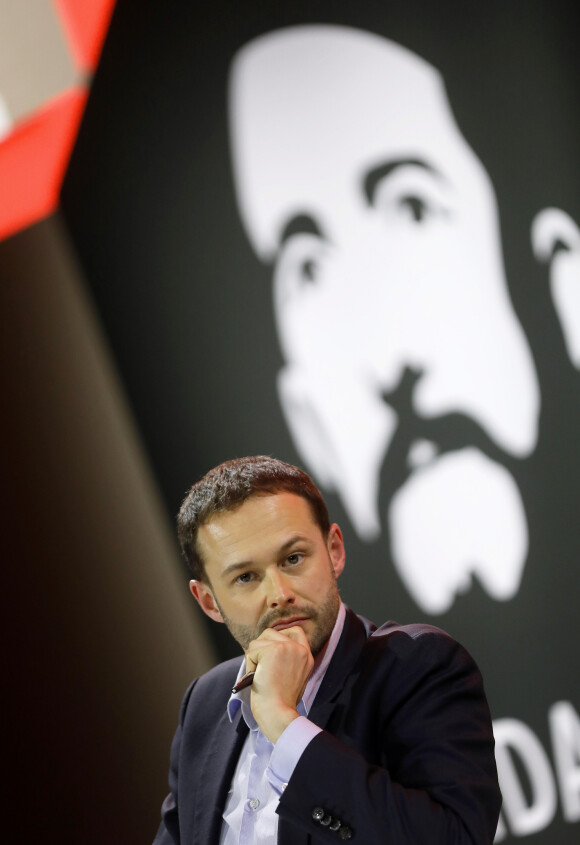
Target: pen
{"type": "Point", "coordinates": [244, 682]}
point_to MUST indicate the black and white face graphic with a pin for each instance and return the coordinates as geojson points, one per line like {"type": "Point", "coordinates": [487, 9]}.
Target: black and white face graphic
{"type": "Point", "coordinates": [391, 301]}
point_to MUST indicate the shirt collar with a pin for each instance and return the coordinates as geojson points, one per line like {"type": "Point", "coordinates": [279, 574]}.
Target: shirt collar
{"type": "Point", "coordinates": [242, 699]}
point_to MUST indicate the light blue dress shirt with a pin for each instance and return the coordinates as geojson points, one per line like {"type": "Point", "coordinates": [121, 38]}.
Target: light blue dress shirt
{"type": "Point", "coordinates": [264, 769]}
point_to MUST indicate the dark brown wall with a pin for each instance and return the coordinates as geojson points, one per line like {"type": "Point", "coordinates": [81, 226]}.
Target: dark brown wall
{"type": "Point", "coordinates": [101, 638]}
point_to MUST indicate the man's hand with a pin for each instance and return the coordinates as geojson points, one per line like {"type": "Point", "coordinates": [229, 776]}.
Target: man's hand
{"type": "Point", "coordinates": [282, 661]}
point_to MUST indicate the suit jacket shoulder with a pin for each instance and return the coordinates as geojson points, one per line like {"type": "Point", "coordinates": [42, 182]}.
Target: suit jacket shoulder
{"type": "Point", "coordinates": [406, 754]}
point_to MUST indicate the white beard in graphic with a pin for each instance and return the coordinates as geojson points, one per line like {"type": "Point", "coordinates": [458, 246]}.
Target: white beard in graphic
{"type": "Point", "coordinates": [477, 526]}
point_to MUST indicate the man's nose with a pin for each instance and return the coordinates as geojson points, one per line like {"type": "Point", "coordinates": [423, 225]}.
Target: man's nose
{"type": "Point", "coordinates": [278, 589]}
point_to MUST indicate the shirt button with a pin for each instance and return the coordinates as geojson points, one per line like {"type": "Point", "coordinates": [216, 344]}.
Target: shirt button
{"type": "Point", "coordinates": [254, 803]}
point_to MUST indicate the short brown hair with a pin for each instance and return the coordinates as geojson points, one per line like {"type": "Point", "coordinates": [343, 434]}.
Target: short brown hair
{"type": "Point", "coordinates": [227, 486]}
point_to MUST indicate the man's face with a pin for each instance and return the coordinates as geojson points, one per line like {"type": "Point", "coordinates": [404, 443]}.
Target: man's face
{"type": "Point", "coordinates": [269, 566]}
{"type": "Point", "coordinates": [381, 223]}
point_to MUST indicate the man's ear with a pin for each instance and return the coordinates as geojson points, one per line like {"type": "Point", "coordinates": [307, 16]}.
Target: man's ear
{"type": "Point", "coordinates": [335, 546]}
{"type": "Point", "coordinates": [205, 599]}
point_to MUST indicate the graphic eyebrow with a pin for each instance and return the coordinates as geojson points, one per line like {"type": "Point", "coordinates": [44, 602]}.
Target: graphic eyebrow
{"type": "Point", "coordinates": [374, 176]}
{"type": "Point", "coordinates": [301, 224]}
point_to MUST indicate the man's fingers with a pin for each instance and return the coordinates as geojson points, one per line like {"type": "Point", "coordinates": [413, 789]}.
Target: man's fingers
{"type": "Point", "coordinates": [295, 633]}
{"type": "Point", "coordinates": [270, 638]}
{"type": "Point", "coordinates": [250, 663]}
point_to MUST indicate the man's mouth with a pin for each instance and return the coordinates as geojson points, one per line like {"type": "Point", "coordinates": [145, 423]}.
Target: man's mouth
{"type": "Point", "coordinates": [288, 622]}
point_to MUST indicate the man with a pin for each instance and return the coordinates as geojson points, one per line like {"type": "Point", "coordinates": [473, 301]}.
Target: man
{"type": "Point", "coordinates": [347, 731]}
{"type": "Point", "coordinates": [391, 302]}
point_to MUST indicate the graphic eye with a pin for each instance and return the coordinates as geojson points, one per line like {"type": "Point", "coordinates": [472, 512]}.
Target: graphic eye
{"type": "Point", "coordinates": [416, 207]}
{"type": "Point", "coordinates": [410, 195]}
{"type": "Point", "coordinates": [309, 270]}
{"type": "Point", "coordinates": [301, 261]}
{"type": "Point", "coordinates": [304, 271]}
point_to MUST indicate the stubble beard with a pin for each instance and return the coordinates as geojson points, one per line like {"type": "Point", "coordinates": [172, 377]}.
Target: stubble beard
{"type": "Point", "coordinates": [323, 616]}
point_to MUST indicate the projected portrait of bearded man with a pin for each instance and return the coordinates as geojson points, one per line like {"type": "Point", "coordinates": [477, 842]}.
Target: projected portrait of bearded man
{"type": "Point", "coordinates": [408, 385]}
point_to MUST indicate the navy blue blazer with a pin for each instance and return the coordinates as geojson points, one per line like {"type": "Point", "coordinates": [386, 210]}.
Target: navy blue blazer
{"type": "Point", "coordinates": [406, 755]}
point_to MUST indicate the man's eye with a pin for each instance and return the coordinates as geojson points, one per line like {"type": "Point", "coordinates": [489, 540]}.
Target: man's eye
{"type": "Point", "coordinates": [294, 558]}
{"type": "Point", "coordinates": [244, 578]}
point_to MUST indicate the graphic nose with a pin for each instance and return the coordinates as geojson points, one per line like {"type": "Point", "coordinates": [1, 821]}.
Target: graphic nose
{"type": "Point", "coordinates": [400, 397]}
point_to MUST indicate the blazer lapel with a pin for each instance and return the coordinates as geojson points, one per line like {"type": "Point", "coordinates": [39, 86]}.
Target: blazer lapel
{"type": "Point", "coordinates": [339, 675]}
{"type": "Point", "coordinates": [337, 680]}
